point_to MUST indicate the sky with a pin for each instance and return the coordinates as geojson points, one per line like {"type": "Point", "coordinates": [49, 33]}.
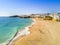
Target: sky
{"type": "Point", "coordinates": [21, 7]}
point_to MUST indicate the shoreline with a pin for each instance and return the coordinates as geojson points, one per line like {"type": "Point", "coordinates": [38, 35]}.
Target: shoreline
{"type": "Point", "coordinates": [22, 32]}
{"type": "Point", "coordinates": [43, 32]}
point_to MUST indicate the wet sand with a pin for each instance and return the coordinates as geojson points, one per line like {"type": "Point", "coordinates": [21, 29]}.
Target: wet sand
{"type": "Point", "coordinates": [43, 32]}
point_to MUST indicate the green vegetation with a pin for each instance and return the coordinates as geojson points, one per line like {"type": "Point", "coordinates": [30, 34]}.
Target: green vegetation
{"type": "Point", "coordinates": [48, 18]}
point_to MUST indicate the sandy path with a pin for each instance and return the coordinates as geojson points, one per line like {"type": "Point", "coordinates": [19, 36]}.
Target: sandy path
{"type": "Point", "coordinates": [42, 33]}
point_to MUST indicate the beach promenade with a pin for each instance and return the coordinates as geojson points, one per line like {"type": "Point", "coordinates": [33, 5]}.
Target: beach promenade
{"type": "Point", "coordinates": [43, 32]}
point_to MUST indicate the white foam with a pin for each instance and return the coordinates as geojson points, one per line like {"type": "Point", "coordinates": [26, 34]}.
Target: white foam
{"type": "Point", "coordinates": [23, 32]}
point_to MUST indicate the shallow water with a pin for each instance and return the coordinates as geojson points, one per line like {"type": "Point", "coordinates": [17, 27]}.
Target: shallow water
{"type": "Point", "coordinates": [9, 26]}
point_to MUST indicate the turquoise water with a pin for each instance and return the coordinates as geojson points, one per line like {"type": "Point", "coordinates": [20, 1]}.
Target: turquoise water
{"type": "Point", "coordinates": [9, 26]}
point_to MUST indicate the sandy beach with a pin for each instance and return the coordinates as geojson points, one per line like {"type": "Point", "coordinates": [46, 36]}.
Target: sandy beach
{"type": "Point", "coordinates": [43, 32]}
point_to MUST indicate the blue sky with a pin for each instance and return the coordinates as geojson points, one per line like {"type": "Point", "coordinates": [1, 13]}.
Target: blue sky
{"type": "Point", "coordinates": [11, 7]}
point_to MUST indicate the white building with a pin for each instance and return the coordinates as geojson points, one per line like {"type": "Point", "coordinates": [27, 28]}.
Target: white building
{"type": "Point", "coordinates": [55, 16]}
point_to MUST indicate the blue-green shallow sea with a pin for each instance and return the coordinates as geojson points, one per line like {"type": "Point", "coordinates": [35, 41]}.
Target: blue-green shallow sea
{"type": "Point", "coordinates": [10, 25]}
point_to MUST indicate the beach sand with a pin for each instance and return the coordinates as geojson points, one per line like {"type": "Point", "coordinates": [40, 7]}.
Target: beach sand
{"type": "Point", "coordinates": [43, 32]}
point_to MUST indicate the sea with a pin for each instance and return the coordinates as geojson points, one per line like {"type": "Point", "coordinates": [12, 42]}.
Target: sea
{"type": "Point", "coordinates": [10, 25]}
